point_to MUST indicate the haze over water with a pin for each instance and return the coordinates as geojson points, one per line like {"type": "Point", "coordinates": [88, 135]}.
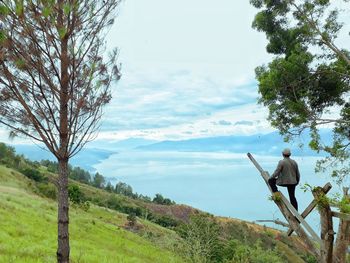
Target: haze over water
{"type": "Point", "coordinates": [225, 184]}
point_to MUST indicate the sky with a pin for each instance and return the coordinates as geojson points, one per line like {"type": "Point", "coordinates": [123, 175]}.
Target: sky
{"type": "Point", "coordinates": [187, 70]}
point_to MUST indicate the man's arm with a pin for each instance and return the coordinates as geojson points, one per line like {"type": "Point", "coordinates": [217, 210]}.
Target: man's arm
{"type": "Point", "coordinates": [278, 170]}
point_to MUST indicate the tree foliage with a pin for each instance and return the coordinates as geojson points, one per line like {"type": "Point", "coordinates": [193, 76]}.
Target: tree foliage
{"type": "Point", "coordinates": [52, 54]}
{"type": "Point", "coordinates": [306, 86]}
{"type": "Point", "coordinates": [55, 80]}
{"type": "Point", "coordinates": [159, 199]}
{"type": "Point", "coordinates": [98, 180]}
{"type": "Point", "coordinates": [76, 196]}
{"type": "Point", "coordinates": [124, 189]}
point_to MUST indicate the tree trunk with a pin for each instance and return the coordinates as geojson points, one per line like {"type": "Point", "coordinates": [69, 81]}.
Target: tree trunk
{"type": "Point", "coordinates": [327, 233]}
{"type": "Point", "coordinates": [63, 210]}
{"type": "Point", "coordinates": [343, 238]}
{"type": "Point", "coordinates": [63, 203]}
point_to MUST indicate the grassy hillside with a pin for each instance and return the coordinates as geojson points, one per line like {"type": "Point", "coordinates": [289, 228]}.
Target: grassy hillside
{"type": "Point", "coordinates": [29, 228]}
{"type": "Point", "coordinates": [103, 228]}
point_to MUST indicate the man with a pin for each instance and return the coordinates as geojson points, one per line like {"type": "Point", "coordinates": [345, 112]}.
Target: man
{"type": "Point", "coordinates": [287, 175]}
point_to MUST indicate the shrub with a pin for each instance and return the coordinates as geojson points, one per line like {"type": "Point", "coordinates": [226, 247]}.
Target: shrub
{"type": "Point", "coordinates": [131, 219]}
{"type": "Point", "coordinates": [76, 196]}
{"type": "Point", "coordinates": [165, 221]}
{"type": "Point", "coordinates": [47, 189]}
{"type": "Point", "coordinates": [33, 175]}
{"type": "Point", "coordinates": [85, 206]}
{"type": "Point", "coordinates": [235, 252]}
{"type": "Point", "coordinates": [201, 239]}
{"type": "Point", "coordinates": [114, 203]}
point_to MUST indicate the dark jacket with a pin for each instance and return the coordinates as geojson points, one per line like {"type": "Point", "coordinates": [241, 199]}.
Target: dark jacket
{"type": "Point", "coordinates": [287, 172]}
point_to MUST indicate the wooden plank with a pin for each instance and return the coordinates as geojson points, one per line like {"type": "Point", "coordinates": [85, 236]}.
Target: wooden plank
{"type": "Point", "coordinates": [301, 219]}
{"type": "Point", "coordinates": [311, 206]}
{"type": "Point", "coordinates": [343, 216]}
{"type": "Point", "coordinates": [266, 176]}
{"type": "Point", "coordinates": [250, 156]}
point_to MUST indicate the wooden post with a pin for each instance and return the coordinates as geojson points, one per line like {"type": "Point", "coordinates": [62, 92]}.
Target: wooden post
{"type": "Point", "coordinates": [343, 237]}
{"type": "Point", "coordinates": [327, 233]}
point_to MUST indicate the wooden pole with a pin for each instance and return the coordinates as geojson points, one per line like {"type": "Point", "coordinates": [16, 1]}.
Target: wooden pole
{"type": "Point", "coordinates": [343, 237]}
{"type": "Point", "coordinates": [327, 233]}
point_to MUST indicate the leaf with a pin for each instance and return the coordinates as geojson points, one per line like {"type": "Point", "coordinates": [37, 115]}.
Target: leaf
{"type": "Point", "coordinates": [19, 8]}
{"type": "Point", "coordinates": [4, 10]}
{"type": "Point", "coordinates": [3, 36]}
{"type": "Point", "coordinates": [62, 32]}
{"type": "Point", "coordinates": [20, 63]}
{"type": "Point", "coordinates": [67, 9]}
{"type": "Point", "coordinates": [47, 11]}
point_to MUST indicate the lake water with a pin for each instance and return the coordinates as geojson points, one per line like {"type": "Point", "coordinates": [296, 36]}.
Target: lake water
{"type": "Point", "coordinates": [224, 184]}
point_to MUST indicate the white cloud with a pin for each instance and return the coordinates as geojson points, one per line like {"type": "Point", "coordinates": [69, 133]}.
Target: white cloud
{"type": "Point", "coordinates": [186, 64]}
{"type": "Point", "coordinates": [205, 126]}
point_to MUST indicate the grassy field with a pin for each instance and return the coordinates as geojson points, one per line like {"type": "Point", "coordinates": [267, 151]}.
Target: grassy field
{"type": "Point", "coordinates": [28, 225]}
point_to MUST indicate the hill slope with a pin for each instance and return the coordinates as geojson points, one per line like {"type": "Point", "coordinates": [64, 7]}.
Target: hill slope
{"type": "Point", "coordinates": [102, 233]}
{"type": "Point", "coordinates": [28, 233]}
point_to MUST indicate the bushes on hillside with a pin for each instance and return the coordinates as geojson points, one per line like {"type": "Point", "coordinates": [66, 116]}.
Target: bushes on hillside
{"type": "Point", "coordinates": [33, 174]}
{"type": "Point", "coordinates": [165, 221]}
{"type": "Point", "coordinates": [201, 236]}
{"type": "Point", "coordinates": [132, 219]}
{"type": "Point", "coordinates": [47, 190]}
{"type": "Point", "coordinates": [76, 196]}
{"type": "Point", "coordinates": [235, 252]}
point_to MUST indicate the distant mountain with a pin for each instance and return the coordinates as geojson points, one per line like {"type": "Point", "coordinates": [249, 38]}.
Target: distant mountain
{"type": "Point", "coordinates": [99, 150]}
{"type": "Point", "coordinates": [126, 144]}
{"type": "Point", "coordinates": [95, 152]}
{"type": "Point", "coordinates": [86, 158]}
{"type": "Point", "coordinates": [271, 143]}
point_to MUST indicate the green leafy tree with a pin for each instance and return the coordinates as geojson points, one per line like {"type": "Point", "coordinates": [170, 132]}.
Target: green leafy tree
{"type": "Point", "coordinates": [306, 85]}
{"type": "Point", "coordinates": [98, 180]}
{"type": "Point", "coordinates": [124, 189]}
{"type": "Point", "coordinates": [109, 187]}
{"type": "Point", "coordinates": [80, 175]}
{"type": "Point", "coordinates": [159, 199]}
{"type": "Point", "coordinates": [55, 81]}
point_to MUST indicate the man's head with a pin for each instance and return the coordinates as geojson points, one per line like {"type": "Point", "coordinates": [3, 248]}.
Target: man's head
{"type": "Point", "coordinates": [286, 152]}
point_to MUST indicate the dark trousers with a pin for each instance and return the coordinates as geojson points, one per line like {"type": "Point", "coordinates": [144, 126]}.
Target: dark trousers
{"type": "Point", "coordinates": [291, 191]}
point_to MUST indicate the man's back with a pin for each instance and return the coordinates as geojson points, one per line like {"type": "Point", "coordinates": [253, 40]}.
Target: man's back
{"type": "Point", "coordinates": [287, 172]}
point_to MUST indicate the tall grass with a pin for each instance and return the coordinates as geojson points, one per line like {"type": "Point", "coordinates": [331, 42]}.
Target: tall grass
{"type": "Point", "coordinates": [28, 230]}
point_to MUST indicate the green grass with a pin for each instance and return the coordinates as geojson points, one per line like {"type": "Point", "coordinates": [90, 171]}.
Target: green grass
{"type": "Point", "coordinates": [290, 255]}
{"type": "Point", "coordinates": [28, 225]}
